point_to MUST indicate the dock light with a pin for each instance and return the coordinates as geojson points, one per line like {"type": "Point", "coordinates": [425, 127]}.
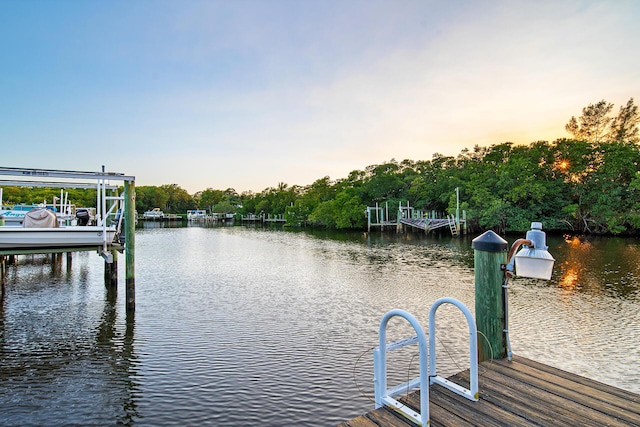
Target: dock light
{"type": "Point", "coordinates": [533, 260]}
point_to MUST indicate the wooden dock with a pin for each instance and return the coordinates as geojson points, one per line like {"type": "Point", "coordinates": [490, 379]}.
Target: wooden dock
{"type": "Point", "coordinates": [428, 224]}
{"type": "Point", "coordinates": [518, 393]}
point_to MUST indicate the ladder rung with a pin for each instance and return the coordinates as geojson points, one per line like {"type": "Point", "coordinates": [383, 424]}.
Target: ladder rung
{"type": "Point", "coordinates": [402, 343]}
{"type": "Point", "coordinates": [404, 387]}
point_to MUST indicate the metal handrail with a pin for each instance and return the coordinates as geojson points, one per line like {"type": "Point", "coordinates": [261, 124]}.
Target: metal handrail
{"type": "Point", "coordinates": [472, 392]}
{"type": "Point", "coordinates": [384, 396]}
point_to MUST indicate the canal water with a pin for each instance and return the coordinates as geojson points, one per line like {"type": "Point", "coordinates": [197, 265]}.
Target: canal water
{"type": "Point", "coordinates": [250, 326]}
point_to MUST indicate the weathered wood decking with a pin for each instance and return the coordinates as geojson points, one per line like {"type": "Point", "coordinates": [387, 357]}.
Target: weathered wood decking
{"type": "Point", "coordinates": [519, 393]}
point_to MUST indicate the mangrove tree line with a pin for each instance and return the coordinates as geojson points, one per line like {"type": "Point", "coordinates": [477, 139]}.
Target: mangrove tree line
{"type": "Point", "coordinates": [589, 183]}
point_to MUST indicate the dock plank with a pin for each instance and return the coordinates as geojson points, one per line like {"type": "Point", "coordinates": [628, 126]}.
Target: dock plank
{"type": "Point", "coordinates": [473, 413]}
{"type": "Point", "coordinates": [632, 400]}
{"type": "Point", "coordinates": [521, 392]}
{"type": "Point", "coordinates": [575, 395]}
{"type": "Point", "coordinates": [534, 404]}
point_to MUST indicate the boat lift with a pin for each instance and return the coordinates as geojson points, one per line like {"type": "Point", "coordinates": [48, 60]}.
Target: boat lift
{"type": "Point", "coordinates": [77, 179]}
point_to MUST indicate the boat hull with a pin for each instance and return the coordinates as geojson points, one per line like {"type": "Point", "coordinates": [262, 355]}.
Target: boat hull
{"type": "Point", "coordinates": [19, 237]}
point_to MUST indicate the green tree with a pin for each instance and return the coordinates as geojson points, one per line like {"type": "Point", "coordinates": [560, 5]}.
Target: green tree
{"type": "Point", "coordinates": [607, 192]}
{"type": "Point", "coordinates": [592, 125]}
{"type": "Point", "coordinates": [348, 211]}
{"type": "Point", "coordinates": [178, 200]}
{"type": "Point", "coordinates": [149, 197]}
{"type": "Point", "coordinates": [624, 127]}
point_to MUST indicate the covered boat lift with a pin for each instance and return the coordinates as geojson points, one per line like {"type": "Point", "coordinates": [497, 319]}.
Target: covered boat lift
{"type": "Point", "coordinates": [101, 181]}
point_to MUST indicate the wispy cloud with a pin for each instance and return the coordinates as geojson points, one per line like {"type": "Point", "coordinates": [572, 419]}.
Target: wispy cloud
{"type": "Point", "coordinates": [248, 94]}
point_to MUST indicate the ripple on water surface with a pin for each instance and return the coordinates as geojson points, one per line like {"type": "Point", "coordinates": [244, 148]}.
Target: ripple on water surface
{"type": "Point", "coordinates": [239, 326]}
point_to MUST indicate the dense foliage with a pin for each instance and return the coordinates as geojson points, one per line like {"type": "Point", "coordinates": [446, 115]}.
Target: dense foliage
{"type": "Point", "coordinates": [569, 185]}
{"type": "Point", "coordinates": [589, 184]}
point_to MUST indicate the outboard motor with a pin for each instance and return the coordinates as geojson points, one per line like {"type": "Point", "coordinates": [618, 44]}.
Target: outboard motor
{"type": "Point", "coordinates": [83, 216]}
{"type": "Point", "coordinates": [118, 221]}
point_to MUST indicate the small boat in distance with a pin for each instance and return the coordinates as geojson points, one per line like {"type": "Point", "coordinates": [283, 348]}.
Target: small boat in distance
{"type": "Point", "coordinates": [154, 213]}
{"type": "Point", "coordinates": [196, 214]}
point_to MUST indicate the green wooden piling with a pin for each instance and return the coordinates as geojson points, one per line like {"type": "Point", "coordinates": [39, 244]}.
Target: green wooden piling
{"type": "Point", "coordinates": [464, 223]}
{"type": "Point", "coordinates": [130, 243]}
{"type": "Point", "coordinates": [490, 252]}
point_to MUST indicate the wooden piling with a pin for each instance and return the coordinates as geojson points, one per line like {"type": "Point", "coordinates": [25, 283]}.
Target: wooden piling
{"type": "Point", "coordinates": [69, 261]}
{"type": "Point", "coordinates": [490, 253]}
{"type": "Point", "coordinates": [130, 243]}
{"type": "Point", "coordinates": [111, 271]}
{"type": "Point", "coordinates": [3, 275]}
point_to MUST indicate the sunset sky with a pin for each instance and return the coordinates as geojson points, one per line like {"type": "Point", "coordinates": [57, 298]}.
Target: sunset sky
{"type": "Point", "coordinates": [247, 94]}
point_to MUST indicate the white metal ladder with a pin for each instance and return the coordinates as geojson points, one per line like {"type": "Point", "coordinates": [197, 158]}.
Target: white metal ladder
{"type": "Point", "coordinates": [452, 225]}
{"type": "Point", "coordinates": [385, 396]}
{"type": "Point", "coordinates": [472, 392]}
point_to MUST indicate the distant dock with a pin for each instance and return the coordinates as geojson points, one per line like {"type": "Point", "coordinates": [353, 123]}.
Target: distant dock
{"type": "Point", "coordinates": [264, 218]}
{"type": "Point", "coordinates": [411, 218]}
{"type": "Point", "coordinates": [165, 218]}
{"type": "Point", "coordinates": [518, 393]}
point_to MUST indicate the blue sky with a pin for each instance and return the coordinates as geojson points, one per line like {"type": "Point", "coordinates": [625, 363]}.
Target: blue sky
{"type": "Point", "coordinates": [248, 94]}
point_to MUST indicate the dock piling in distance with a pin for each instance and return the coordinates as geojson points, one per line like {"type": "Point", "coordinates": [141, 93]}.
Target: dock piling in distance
{"type": "Point", "coordinates": [130, 243]}
{"type": "Point", "coordinates": [3, 275]}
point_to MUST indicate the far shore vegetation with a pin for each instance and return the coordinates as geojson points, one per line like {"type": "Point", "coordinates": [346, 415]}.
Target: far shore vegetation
{"type": "Point", "coordinates": [587, 184]}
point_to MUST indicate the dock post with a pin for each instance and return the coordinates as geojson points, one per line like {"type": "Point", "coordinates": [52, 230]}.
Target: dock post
{"type": "Point", "coordinates": [111, 271]}
{"type": "Point", "coordinates": [3, 275]}
{"type": "Point", "coordinates": [464, 223]}
{"type": "Point", "coordinates": [130, 244]}
{"type": "Point", "coordinates": [489, 254]}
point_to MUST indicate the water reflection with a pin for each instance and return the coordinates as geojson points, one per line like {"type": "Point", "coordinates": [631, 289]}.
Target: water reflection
{"type": "Point", "coordinates": [250, 325]}
{"type": "Point", "coordinates": [65, 355]}
{"type": "Point", "coordinates": [118, 351]}
{"type": "Point", "coordinates": [597, 265]}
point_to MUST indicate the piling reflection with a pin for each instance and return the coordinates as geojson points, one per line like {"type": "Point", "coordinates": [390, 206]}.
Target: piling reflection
{"type": "Point", "coordinates": [120, 355]}
{"type": "Point", "coordinates": [242, 326]}
{"type": "Point", "coordinates": [62, 344]}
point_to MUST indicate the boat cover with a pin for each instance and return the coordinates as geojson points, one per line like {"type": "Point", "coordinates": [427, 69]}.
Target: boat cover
{"type": "Point", "coordinates": [40, 218]}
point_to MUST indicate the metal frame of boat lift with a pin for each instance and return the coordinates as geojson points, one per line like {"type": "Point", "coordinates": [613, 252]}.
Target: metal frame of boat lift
{"type": "Point", "coordinates": [44, 177]}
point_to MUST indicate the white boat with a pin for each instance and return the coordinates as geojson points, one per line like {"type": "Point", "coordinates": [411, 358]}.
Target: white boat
{"type": "Point", "coordinates": [196, 214]}
{"type": "Point", "coordinates": [154, 213]}
{"type": "Point", "coordinates": [64, 226]}
{"type": "Point", "coordinates": [41, 228]}
{"type": "Point", "coordinates": [55, 237]}
{"type": "Point", "coordinates": [15, 214]}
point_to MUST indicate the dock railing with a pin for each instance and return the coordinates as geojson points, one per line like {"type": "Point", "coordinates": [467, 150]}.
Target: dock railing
{"type": "Point", "coordinates": [427, 351]}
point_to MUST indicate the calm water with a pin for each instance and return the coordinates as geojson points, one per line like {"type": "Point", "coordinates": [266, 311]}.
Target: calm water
{"type": "Point", "coordinates": [240, 326]}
